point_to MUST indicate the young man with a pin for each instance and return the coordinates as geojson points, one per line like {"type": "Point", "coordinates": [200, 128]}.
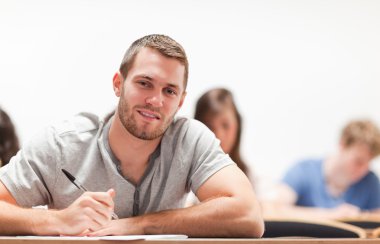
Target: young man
{"type": "Point", "coordinates": [340, 186]}
{"type": "Point", "coordinates": [139, 162]}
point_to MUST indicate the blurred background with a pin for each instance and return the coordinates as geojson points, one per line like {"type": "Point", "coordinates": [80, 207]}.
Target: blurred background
{"type": "Point", "coordinates": [299, 69]}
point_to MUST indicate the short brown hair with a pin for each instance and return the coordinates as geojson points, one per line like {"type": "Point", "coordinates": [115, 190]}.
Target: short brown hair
{"type": "Point", "coordinates": [164, 44]}
{"type": "Point", "coordinates": [362, 132]}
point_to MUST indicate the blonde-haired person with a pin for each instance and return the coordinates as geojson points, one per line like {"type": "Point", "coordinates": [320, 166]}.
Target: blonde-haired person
{"type": "Point", "coordinates": [339, 186]}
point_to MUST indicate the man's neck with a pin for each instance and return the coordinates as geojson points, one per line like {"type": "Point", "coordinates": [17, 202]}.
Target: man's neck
{"type": "Point", "coordinates": [132, 152]}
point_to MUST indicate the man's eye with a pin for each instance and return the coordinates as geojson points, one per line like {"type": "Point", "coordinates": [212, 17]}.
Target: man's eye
{"type": "Point", "coordinates": [171, 91]}
{"type": "Point", "coordinates": [143, 83]}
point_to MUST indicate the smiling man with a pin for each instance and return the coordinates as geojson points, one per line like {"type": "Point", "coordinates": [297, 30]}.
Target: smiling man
{"type": "Point", "coordinates": [139, 162]}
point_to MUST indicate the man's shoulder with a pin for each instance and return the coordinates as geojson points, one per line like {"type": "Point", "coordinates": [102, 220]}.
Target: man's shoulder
{"type": "Point", "coordinates": [304, 175]}
{"type": "Point", "coordinates": [78, 124]}
{"type": "Point", "coordinates": [73, 127]}
{"type": "Point", "coordinates": [371, 178]}
{"type": "Point", "coordinates": [186, 125]}
{"type": "Point", "coordinates": [309, 163]}
{"type": "Point", "coordinates": [306, 167]}
{"type": "Point", "coordinates": [187, 132]}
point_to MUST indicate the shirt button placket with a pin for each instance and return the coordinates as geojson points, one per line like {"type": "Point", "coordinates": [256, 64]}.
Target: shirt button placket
{"type": "Point", "coordinates": [136, 200]}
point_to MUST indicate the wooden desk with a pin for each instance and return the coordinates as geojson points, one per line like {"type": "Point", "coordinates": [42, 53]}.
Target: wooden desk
{"type": "Point", "coordinates": [13, 240]}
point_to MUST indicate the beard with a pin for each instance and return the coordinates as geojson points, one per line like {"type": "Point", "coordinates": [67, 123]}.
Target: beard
{"type": "Point", "coordinates": [129, 122]}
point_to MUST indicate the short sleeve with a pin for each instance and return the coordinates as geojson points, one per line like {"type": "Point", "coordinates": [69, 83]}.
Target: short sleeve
{"type": "Point", "coordinates": [30, 175]}
{"type": "Point", "coordinates": [374, 196]}
{"type": "Point", "coordinates": [208, 157]}
{"type": "Point", "coordinates": [295, 178]}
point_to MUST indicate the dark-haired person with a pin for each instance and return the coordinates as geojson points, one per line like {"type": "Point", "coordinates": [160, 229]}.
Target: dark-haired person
{"type": "Point", "coordinates": [9, 144]}
{"type": "Point", "coordinates": [217, 110]}
{"type": "Point", "coordinates": [142, 153]}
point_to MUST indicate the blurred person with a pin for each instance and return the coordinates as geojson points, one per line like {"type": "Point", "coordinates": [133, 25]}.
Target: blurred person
{"type": "Point", "coordinates": [217, 110]}
{"type": "Point", "coordinates": [336, 187]}
{"type": "Point", "coordinates": [9, 144]}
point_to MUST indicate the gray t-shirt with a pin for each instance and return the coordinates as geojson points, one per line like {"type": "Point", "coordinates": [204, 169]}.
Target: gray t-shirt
{"type": "Point", "coordinates": [187, 156]}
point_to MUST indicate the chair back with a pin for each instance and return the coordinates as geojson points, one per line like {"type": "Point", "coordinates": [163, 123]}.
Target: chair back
{"type": "Point", "coordinates": [310, 228]}
{"type": "Point", "coordinates": [362, 223]}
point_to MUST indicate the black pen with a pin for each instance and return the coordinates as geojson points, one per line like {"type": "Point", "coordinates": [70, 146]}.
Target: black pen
{"type": "Point", "coordinates": [81, 187]}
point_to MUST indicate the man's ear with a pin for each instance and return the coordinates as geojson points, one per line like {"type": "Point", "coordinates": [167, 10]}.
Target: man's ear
{"type": "Point", "coordinates": [117, 83]}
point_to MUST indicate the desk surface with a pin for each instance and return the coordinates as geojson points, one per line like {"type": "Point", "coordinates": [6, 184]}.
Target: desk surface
{"type": "Point", "coordinates": [14, 240]}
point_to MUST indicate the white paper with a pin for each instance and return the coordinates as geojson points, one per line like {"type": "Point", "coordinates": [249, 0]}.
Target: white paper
{"type": "Point", "coordinates": [143, 237]}
{"type": "Point", "coordinates": [125, 238]}
{"type": "Point", "coordinates": [58, 237]}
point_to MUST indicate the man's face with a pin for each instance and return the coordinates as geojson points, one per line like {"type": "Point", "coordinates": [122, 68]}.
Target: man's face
{"type": "Point", "coordinates": [151, 94]}
{"type": "Point", "coordinates": [355, 161]}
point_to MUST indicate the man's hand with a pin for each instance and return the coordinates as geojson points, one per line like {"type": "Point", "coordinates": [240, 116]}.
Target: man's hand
{"type": "Point", "coordinates": [90, 212]}
{"type": "Point", "coordinates": [344, 210]}
{"type": "Point", "coordinates": [118, 228]}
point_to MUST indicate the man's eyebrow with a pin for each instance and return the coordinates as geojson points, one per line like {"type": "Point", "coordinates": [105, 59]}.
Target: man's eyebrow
{"type": "Point", "coordinates": [151, 79]}
{"type": "Point", "coordinates": [173, 85]}
{"type": "Point", "coordinates": [145, 77]}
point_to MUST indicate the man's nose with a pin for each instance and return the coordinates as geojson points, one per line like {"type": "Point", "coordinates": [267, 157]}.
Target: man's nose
{"type": "Point", "coordinates": [156, 100]}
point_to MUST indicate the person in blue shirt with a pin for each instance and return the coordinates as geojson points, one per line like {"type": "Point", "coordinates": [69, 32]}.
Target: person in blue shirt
{"type": "Point", "coordinates": [338, 186]}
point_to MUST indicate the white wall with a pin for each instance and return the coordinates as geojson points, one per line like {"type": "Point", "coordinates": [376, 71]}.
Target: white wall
{"type": "Point", "coordinates": [299, 69]}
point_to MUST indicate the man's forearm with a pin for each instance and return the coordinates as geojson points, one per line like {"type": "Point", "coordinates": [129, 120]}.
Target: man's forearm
{"type": "Point", "coordinates": [91, 211]}
{"type": "Point", "coordinates": [15, 220]}
{"type": "Point", "coordinates": [219, 217]}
